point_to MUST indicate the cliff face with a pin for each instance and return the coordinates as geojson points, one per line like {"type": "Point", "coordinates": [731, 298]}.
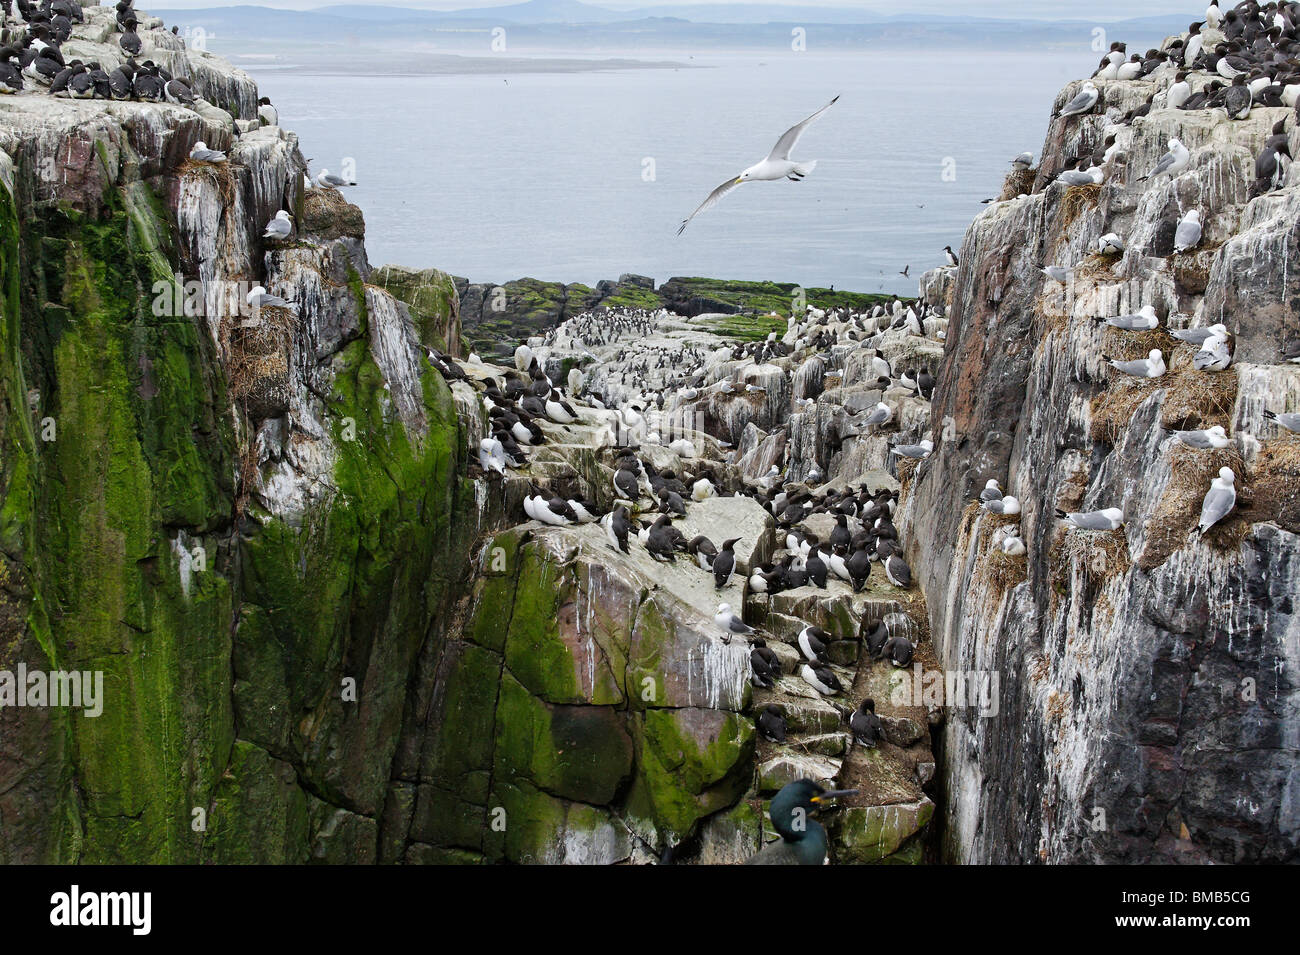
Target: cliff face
{"type": "Point", "coordinates": [1149, 699]}
{"type": "Point", "coordinates": [251, 530]}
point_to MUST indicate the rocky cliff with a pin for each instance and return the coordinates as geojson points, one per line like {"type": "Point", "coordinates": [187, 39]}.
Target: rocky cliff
{"type": "Point", "coordinates": [250, 527]}
{"type": "Point", "coordinates": [1149, 707]}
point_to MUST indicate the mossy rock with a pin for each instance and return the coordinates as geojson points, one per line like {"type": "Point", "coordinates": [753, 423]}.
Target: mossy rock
{"type": "Point", "coordinates": [691, 763]}
{"type": "Point", "coordinates": [582, 753]}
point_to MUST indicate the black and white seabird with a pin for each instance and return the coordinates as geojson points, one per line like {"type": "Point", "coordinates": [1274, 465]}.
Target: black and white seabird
{"type": "Point", "coordinates": [865, 724]}
{"type": "Point", "coordinates": [812, 643]}
{"type": "Point", "coordinates": [724, 565]}
{"type": "Point", "coordinates": [616, 527]}
{"type": "Point", "coordinates": [899, 574]}
{"type": "Point", "coordinates": [764, 665]}
{"type": "Point", "coordinates": [771, 724]}
{"type": "Point", "coordinates": [898, 650]}
{"type": "Point", "coordinates": [821, 678]}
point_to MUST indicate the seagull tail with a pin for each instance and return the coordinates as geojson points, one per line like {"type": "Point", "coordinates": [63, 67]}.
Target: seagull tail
{"type": "Point", "coordinates": [1270, 415]}
{"type": "Point", "coordinates": [803, 168]}
{"type": "Point", "coordinates": [1060, 514]}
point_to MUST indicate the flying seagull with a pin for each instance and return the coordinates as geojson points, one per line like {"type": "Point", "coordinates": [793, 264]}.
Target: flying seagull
{"type": "Point", "coordinates": [777, 165]}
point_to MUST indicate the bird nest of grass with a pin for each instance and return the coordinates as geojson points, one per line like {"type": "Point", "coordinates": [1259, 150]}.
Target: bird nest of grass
{"type": "Point", "coordinates": [905, 469]}
{"type": "Point", "coordinates": [1111, 412]}
{"type": "Point", "coordinates": [1095, 266]}
{"type": "Point", "coordinates": [1019, 182]}
{"type": "Point", "coordinates": [1179, 509]}
{"type": "Point", "coordinates": [1078, 200]}
{"type": "Point", "coordinates": [1005, 571]}
{"type": "Point", "coordinates": [1099, 555]}
{"type": "Point", "coordinates": [218, 174]}
{"type": "Point", "coordinates": [1196, 399]}
{"type": "Point", "coordinates": [1274, 483]}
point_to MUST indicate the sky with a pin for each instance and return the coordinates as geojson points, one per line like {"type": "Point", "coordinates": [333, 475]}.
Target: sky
{"type": "Point", "coordinates": [1037, 9]}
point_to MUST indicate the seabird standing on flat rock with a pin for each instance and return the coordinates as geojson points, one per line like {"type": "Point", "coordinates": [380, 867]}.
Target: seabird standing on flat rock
{"type": "Point", "coordinates": [616, 527]}
{"type": "Point", "coordinates": [660, 541]}
{"type": "Point", "coordinates": [1172, 162]}
{"type": "Point", "coordinates": [267, 113]}
{"type": "Point", "coordinates": [899, 574]}
{"type": "Point", "coordinates": [865, 724]}
{"type": "Point", "coordinates": [777, 165]}
{"type": "Point", "coordinates": [765, 667]}
{"type": "Point", "coordinates": [771, 724]}
{"type": "Point", "coordinates": [803, 839]}
{"type": "Point", "coordinates": [950, 255]}
{"type": "Point", "coordinates": [1219, 500]}
{"type": "Point", "coordinates": [730, 624]}
{"type": "Point", "coordinates": [724, 565]}
{"type": "Point", "coordinates": [812, 643]}
{"type": "Point", "coordinates": [821, 678]}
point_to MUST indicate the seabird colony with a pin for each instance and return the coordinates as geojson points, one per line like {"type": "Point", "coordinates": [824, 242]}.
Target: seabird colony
{"type": "Point", "coordinates": [32, 60]}
{"type": "Point", "coordinates": [638, 380]}
{"type": "Point", "coordinates": [1232, 62]}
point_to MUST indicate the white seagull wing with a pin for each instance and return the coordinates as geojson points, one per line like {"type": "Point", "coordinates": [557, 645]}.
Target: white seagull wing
{"type": "Point", "coordinates": [714, 198]}
{"type": "Point", "coordinates": [1218, 502]}
{"type": "Point", "coordinates": [791, 136]}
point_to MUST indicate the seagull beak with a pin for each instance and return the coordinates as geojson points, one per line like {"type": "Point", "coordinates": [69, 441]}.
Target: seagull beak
{"type": "Point", "coordinates": [739, 180]}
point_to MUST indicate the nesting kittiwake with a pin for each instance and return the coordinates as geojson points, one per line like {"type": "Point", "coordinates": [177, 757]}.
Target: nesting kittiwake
{"type": "Point", "coordinates": [1142, 321]}
{"type": "Point", "coordinates": [201, 153]}
{"type": "Point", "coordinates": [1213, 356]}
{"type": "Point", "coordinates": [1153, 366]}
{"type": "Point", "coordinates": [777, 165]}
{"type": "Point", "coordinates": [1107, 519]}
{"type": "Point", "coordinates": [258, 297]}
{"type": "Point", "coordinates": [1188, 234]}
{"type": "Point", "coordinates": [281, 227]}
{"type": "Point", "coordinates": [1219, 500]}
{"type": "Point", "coordinates": [1110, 244]}
{"type": "Point", "coordinates": [1082, 177]}
{"type": "Point", "coordinates": [1212, 437]}
{"type": "Point", "coordinates": [1199, 336]}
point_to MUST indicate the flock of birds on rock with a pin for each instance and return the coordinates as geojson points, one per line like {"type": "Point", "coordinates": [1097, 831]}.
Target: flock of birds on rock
{"type": "Point", "coordinates": [1256, 62]}
{"type": "Point", "coordinates": [30, 53]}
{"type": "Point", "coordinates": [1253, 61]}
{"type": "Point", "coordinates": [648, 499]}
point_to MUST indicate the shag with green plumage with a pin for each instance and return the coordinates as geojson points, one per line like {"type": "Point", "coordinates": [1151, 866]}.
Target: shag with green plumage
{"type": "Point", "coordinates": [803, 839]}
